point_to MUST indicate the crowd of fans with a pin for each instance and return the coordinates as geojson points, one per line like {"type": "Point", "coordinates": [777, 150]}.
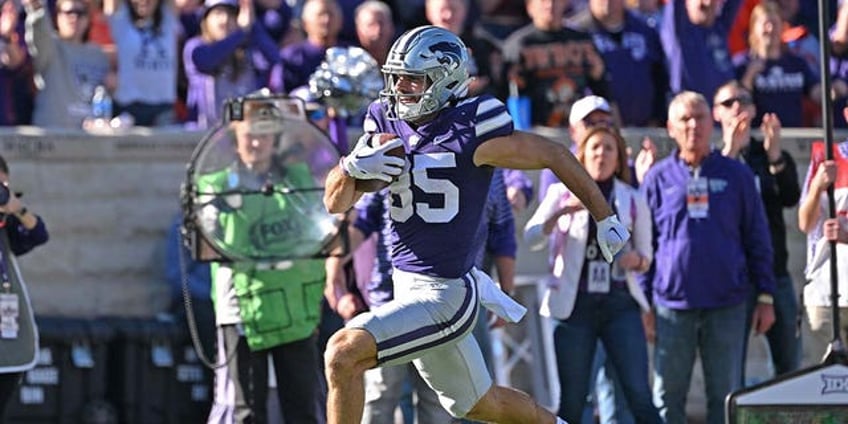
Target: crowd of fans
{"type": "Point", "coordinates": [168, 62]}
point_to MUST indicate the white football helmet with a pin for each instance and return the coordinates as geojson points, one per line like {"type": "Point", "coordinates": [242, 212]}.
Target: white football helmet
{"type": "Point", "coordinates": [429, 51]}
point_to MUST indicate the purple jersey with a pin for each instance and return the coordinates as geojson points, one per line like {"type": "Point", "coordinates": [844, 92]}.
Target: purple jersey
{"type": "Point", "coordinates": [437, 204]}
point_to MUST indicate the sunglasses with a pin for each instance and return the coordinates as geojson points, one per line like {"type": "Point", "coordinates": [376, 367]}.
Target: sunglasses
{"type": "Point", "coordinates": [76, 12]}
{"type": "Point", "coordinates": [598, 123]}
{"type": "Point", "coordinates": [743, 101]}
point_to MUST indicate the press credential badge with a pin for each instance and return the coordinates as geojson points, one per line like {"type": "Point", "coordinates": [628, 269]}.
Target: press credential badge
{"type": "Point", "coordinates": [9, 312]}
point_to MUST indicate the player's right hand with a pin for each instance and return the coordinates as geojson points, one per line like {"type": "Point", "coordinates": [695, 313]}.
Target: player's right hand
{"type": "Point", "coordinates": [367, 162]}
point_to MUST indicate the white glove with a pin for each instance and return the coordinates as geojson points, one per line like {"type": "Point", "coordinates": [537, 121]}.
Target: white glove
{"type": "Point", "coordinates": [612, 235]}
{"type": "Point", "coordinates": [366, 162]}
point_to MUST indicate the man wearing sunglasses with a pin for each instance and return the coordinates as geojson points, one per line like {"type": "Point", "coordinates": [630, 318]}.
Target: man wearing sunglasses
{"type": "Point", "coordinates": [777, 180]}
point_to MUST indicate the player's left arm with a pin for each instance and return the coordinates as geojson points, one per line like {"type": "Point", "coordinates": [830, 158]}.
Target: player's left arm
{"type": "Point", "coordinates": [524, 150]}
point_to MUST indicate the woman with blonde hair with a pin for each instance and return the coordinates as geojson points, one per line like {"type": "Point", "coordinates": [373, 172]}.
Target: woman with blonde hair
{"type": "Point", "coordinates": [779, 80]}
{"type": "Point", "coordinates": [590, 299]}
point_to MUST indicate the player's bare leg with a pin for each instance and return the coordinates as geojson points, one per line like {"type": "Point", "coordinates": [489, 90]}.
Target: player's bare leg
{"type": "Point", "coordinates": [504, 405]}
{"type": "Point", "coordinates": [350, 351]}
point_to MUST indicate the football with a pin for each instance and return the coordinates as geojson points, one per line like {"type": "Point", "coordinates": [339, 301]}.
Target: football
{"type": "Point", "coordinates": [370, 186]}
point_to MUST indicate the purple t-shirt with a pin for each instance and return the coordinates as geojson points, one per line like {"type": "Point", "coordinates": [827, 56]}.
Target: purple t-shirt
{"type": "Point", "coordinates": [780, 88]}
{"type": "Point", "coordinates": [634, 53]}
{"type": "Point", "coordinates": [698, 57]}
{"type": "Point", "coordinates": [437, 204]}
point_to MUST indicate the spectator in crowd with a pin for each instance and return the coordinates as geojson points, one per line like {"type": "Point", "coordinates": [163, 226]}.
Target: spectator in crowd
{"type": "Point", "coordinates": [146, 36]}
{"type": "Point", "coordinates": [703, 205]}
{"type": "Point", "coordinates": [14, 61]}
{"type": "Point", "coordinates": [591, 299]}
{"type": "Point", "coordinates": [496, 22]}
{"type": "Point", "coordinates": [795, 35]}
{"type": "Point", "coordinates": [252, 298]}
{"type": "Point", "coordinates": [500, 18]}
{"type": "Point", "coordinates": [799, 38]}
{"type": "Point", "coordinates": [552, 65]}
{"type": "Point", "coordinates": [322, 21]}
{"type": "Point", "coordinates": [190, 13]}
{"type": "Point", "coordinates": [67, 67]}
{"type": "Point", "coordinates": [694, 37]}
{"type": "Point", "coordinates": [649, 10]}
{"type": "Point", "coordinates": [839, 65]}
{"type": "Point", "coordinates": [813, 220]}
{"type": "Point", "coordinates": [276, 17]}
{"type": "Point", "coordinates": [224, 60]}
{"type": "Point", "coordinates": [778, 80]}
{"type": "Point", "coordinates": [347, 33]}
{"type": "Point", "coordinates": [586, 114]}
{"type": "Point", "coordinates": [408, 13]}
{"type": "Point", "coordinates": [23, 231]}
{"type": "Point", "coordinates": [777, 177]}
{"type": "Point", "coordinates": [737, 38]}
{"type": "Point", "coordinates": [375, 29]}
{"type": "Point", "coordinates": [632, 52]}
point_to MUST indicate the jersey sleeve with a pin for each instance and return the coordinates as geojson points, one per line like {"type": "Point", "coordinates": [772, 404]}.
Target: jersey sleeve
{"type": "Point", "coordinates": [491, 119]}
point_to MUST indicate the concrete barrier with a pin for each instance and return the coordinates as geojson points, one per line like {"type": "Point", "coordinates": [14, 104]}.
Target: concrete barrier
{"type": "Point", "coordinates": [107, 201]}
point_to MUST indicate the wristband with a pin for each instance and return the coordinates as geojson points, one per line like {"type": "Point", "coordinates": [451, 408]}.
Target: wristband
{"type": "Point", "coordinates": [22, 212]}
{"type": "Point", "coordinates": [765, 298]}
{"type": "Point", "coordinates": [780, 161]}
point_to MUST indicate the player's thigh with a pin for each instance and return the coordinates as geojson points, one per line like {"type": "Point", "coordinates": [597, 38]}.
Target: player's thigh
{"type": "Point", "coordinates": [457, 373]}
{"type": "Point", "coordinates": [426, 315]}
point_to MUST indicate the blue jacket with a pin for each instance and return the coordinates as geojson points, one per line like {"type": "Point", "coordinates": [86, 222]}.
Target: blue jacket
{"type": "Point", "coordinates": [713, 261]}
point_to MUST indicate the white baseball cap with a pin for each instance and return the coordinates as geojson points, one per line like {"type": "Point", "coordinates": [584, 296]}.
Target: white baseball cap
{"type": "Point", "coordinates": [583, 107]}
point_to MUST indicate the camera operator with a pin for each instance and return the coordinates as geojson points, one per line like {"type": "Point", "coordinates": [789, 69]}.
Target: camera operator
{"type": "Point", "coordinates": [20, 231]}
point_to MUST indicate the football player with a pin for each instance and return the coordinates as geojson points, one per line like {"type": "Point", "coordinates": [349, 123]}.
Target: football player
{"type": "Point", "coordinates": [438, 192]}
